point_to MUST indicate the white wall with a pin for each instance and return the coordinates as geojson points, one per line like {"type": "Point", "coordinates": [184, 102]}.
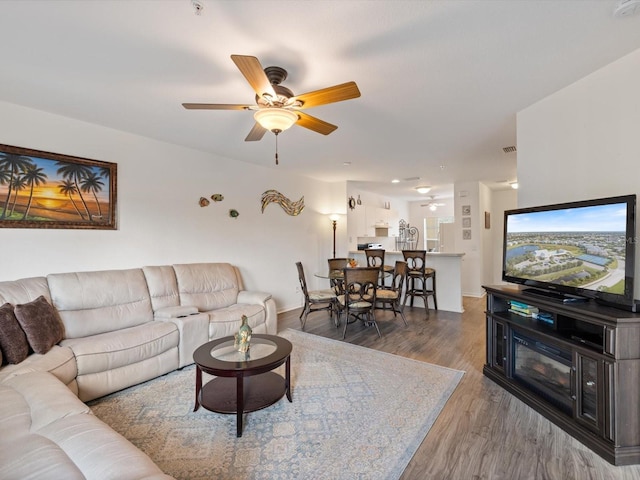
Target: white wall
{"type": "Point", "coordinates": [501, 200]}
{"type": "Point", "coordinates": [468, 193]}
{"type": "Point", "coordinates": [583, 141]}
{"type": "Point", "coordinates": [159, 219]}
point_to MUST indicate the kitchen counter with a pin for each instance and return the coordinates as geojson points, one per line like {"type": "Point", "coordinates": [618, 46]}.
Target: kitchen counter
{"type": "Point", "coordinates": [448, 267]}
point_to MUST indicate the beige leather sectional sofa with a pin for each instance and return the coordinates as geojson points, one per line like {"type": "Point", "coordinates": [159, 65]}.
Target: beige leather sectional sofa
{"type": "Point", "coordinates": [121, 328]}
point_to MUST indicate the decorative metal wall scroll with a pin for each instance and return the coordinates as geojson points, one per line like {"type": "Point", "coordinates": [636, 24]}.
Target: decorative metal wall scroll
{"type": "Point", "coordinates": [290, 208]}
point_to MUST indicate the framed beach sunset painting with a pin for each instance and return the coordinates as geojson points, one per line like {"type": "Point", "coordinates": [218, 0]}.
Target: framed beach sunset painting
{"type": "Point", "coordinates": [49, 190]}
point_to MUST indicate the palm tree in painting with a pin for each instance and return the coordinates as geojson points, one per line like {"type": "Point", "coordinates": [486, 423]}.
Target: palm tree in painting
{"type": "Point", "coordinates": [19, 183]}
{"type": "Point", "coordinates": [5, 175]}
{"type": "Point", "coordinates": [34, 176]}
{"type": "Point", "coordinates": [13, 164]}
{"type": "Point", "coordinates": [104, 172]}
{"type": "Point", "coordinates": [68, 188]}
{"type": "Point", "coordinates": [75, 172]}
{"type": "Point", "coordinates": [92, 184]}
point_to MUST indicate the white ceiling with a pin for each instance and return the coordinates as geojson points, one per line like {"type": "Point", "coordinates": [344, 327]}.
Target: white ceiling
{"type": "Point", "coordinates": [441, 81]}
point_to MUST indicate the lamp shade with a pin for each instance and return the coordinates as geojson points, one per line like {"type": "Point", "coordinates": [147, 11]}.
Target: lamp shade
{"type": "Point", "coordinates": [275, 119]}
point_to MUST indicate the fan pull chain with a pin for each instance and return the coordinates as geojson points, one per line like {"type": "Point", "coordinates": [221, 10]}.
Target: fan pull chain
{"type": "Point", "coordinates": [276, 148]}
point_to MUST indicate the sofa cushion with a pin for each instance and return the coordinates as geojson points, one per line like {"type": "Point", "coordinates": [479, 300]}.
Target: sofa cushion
{"type": "Point", "coordinates": [49, 434]}
{"type": "Point", "coordinates": [13, 340]}
{"type": "Point", "coordinates": [23, 290]}
{"type": "Point", "coordinates": [163, 286]}
{"type": "Point", "coordinates": [59, 361]}
{"type": "Point", "coordinates": [226, 321]}
{"type": "Point", "coordinates": [109, 351]}
{"type": "Point", "coordinates": [91, 303]}
{"type": "Point", "coordinates": [40, 323]}
{"type": "Point", "coordinates": [207, 286]}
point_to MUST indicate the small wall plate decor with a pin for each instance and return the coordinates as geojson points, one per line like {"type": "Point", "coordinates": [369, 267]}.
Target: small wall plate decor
{"type": "Point", "coordinates": [216, 197]}
{"type": "Point", "coordinates": [233, 213]}
{"type": "Point", "coordinates": [352, 203]}
{"type": "Point", "coordinates": [203, 202]}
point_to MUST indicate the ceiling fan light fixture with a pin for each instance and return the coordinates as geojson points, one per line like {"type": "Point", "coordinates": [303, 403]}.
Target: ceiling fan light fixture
{"type": "Point", "coordinates": [423, 189]}
{"type": "Point", "coordinates": [275, 119]}
{"type": "Point", "coordinates": [432, 207]}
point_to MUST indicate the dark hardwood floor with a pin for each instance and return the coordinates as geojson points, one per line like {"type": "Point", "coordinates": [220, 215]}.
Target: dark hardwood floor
{"type": "Point", "coordinates": [483, 431]}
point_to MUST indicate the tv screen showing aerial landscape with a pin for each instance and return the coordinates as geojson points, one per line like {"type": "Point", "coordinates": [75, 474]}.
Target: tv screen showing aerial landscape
{"type": "Point", "coordinates": [583, 248]}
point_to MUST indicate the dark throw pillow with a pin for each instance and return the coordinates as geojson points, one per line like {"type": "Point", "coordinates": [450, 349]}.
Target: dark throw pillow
{"type": "Point", "coordinates": [40, 323]}
{"type": "Point", "coordinates": [13, 341]}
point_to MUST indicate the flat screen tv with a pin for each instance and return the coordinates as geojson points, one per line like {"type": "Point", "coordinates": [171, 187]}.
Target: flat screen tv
{"type": "Point", "coordinates": [573, 251]}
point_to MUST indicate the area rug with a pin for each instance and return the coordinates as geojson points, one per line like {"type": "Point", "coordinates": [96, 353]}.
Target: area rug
{"type": "Point", "coordinates": [357, 413]}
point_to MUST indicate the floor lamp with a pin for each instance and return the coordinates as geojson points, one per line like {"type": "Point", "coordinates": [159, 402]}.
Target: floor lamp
{"type": "Point", "coordinates": [334, 222]}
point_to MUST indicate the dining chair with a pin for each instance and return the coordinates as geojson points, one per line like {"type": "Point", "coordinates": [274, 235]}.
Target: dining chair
{"type": "Point", "coordinates": [391, 296]}
{"type": "Point", "coordinates": [375, 258]}
{"type": "Point", "coordinates": [359, 297]}
{"type": "Point", "coordinates": [315, 300]}
{"type": "Point", "coordinates": [336, 267]}
{"type": "Point", "coordinates": [418, 276]}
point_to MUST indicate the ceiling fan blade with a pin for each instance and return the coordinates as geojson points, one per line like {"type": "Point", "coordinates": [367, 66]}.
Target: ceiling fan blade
{"type": "Point", "coordinates": [256, 133]}
{"type": "Point", "coordinates": [215, 106]}
{"type": "Point", "coordinates": [254, 73]}
{"type": "Point", "coordinates": [315, 124]}
{"type": "Point", "coordinates": [337, 93]}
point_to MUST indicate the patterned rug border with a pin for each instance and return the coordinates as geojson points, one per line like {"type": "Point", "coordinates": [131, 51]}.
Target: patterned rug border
{"type": "Point", "coordinates": [299, 439]}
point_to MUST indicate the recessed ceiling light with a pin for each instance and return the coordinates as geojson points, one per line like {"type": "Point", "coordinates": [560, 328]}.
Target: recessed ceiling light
{"type": "Point", "coordinates": [346, 164]}
{"type": "Point", "coordinates": [423, 189]}
{"type": "Point", "coordinates": [395, 180]}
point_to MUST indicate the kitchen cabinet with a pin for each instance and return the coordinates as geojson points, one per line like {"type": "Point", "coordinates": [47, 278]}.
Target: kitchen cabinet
{"type": "Point", "coordinates": [380, 219]}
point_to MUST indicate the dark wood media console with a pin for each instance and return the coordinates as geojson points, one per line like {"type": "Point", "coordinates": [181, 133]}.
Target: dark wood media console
{"type": "Point", "coordinates": [576, 364]}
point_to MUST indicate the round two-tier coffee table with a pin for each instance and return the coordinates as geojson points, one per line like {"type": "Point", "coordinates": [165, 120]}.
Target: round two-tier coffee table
{"type": "Point", "coordinates": [244, 382]}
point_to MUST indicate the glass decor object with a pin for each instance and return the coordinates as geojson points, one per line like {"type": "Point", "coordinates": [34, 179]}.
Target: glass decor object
{"type": "Point", "coordinates": [243, 337]}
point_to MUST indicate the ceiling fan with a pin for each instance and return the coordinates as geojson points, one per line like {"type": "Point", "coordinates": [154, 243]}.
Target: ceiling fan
{"type": "Point", "coordinates": [432, 204]}
{"type": "Point", "coordinates": [277, 108]}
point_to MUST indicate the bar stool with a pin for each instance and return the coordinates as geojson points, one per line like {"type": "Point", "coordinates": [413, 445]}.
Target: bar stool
{"type": "Point", "coordinates": [375, 258]}
{"type": "Point", "coordinates": [417, 276]}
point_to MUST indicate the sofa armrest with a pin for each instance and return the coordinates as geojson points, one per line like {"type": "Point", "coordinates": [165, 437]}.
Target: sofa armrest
{"type": "Point", "coordinates": [253, 298]}
{"type": "Point", "coordinates": [269, 305]}
{"type": "Point", "coordinates": [194, 331]}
